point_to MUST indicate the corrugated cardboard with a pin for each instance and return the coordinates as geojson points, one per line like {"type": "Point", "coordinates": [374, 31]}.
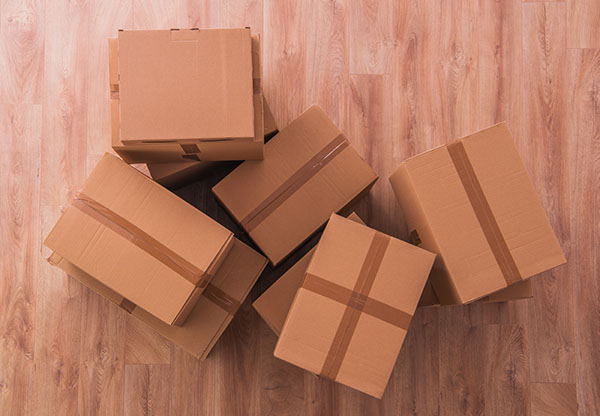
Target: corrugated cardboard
{"type": "Point", "coordinates": [216, 114]}
{"type": "Point", "coordinates": [516, 291]}
{"type": "Point", "coordinates": [212, 313]}
{"type": "Point", "coordinates": [310, 170]}
{"type": "Point", "coordinates": [177, 174]}
{"type": "Point", "coordinates": [273, 305]}
{"type": "Point", "coordinates": [140, 240]}
{"type": "Point", "coordinates": [349, 319]}
{"type": "Point", "coordinates": [473, 203]}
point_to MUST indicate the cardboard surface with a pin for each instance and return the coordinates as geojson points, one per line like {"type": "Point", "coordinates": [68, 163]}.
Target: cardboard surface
{"type": "Point", "coordinates": [207, 320]}
{"type": "Point", "coordinates": [180, 146]}
{"type": "Point", "coordinates": [473, 204]}
{"type": "Point", "coordinates": [309, 171]}
{"type": "Point", "coordinates": [349, 319]}
{"type": "Point", "coordinates": [273, 305]}
{"type": "Point", "coordinates": [140, 240]}
{"type": "Point", "coordinates": [176, 174]}
{"type": "Point", "coordinates": [185, 85]}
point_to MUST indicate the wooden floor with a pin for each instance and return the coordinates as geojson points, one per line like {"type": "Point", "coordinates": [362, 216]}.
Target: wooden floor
{"type": "Point", "coordinates": [399, 77]}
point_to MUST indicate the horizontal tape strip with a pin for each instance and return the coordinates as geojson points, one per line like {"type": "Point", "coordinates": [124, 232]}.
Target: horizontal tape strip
{"type": "Point", "coordinates": [141, 239]}
{"type": "Point", "coordinates": [483, 212]}
{"type": "Point", "coordinates": [294, 182]}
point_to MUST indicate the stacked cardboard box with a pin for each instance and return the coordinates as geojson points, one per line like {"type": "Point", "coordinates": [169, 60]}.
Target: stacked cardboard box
{"type": "Point", "coordinates": [184, 99]}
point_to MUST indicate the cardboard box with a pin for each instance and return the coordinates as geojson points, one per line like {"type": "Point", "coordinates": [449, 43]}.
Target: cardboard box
{"type": "Point", "coordinates": [212, 313]}
{"type": "Point", "coordinates": [473, 204]}
{"type": "Point", "coordinates": [216, 114]}
{"type": "Point", "coordinates": [273, 305]}
{"type": "Point", "coordinates": [349, 319]}
{"type": "Point", "coordinates": [310, 170]}
{"type": "Point", "coordinates": [178, 174]}
{"type": "Point", "coordinates": [140, 240]}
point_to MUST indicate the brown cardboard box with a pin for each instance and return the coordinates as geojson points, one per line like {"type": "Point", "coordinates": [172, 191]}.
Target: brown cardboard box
{"type": "Point", "coordinates": [212, 313]}
{"type": "Point", "coordinates": [216, 114]}
{"type": "Point", "coordinates": [176, 174]}
{"type": "Point", "coordinates": [140, 240]}
{"type": "Point", "coordinates": [349, 319]}
{"type": "Point", "coordinates": [473, 204]}
{"type": "Point", "coordinates": [310, 170]}
{"type": "Point", "coordinates": [273, 305]}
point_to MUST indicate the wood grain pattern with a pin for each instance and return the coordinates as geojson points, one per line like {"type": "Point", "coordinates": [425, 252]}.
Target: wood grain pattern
{"type": "Point", "coordinates": [551, 399]}
{"type": "Point", "coordinates": [584, 140]}
{"type": "Point", "coordinates": [399, 78]}
{"type": "Point", "coordinates": [583, 23]}
{"type": "Point", "coordinates": [546, 155]}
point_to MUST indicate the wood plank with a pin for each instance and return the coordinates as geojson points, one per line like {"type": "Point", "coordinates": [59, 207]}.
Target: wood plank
{"type": "Point", "coordinates": [483, 369]}
{"type": "Point", "coordinates": [546, 154]}
{"type": "Point", "coordinates": [583, 21]}
{"type": "Point", "coordinates": [102, 356]}
{"type": "Point", "coordinates": [20, 129]}
{"type": "Point", "coordinates": [22, 51]}
{"type": "Point", "coordinates": [552, 399]}
{"type": "Point", "coordinates": [583, 69]}
{"type": "Point", "coordinates": [145, 392]}
{"type": "Point", "coordinates": [326, 45]}
{"type": "Point", "coordinates": [371, 37]}
{"type": "Point", "coordinates": [284, 59]}
{"type": "Point", "coordinates": [159, 14]}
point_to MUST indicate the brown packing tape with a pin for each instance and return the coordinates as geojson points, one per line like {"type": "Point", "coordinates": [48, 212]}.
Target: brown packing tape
{"type": "Point", "coordinates": [294, 182]}
{"type": "Point", "coordinates": [256, 86]}
{"type": "Point", "coordinates": [212, 293]}
{"type": "Point", "coordinates": [357, 301]}
{"type": "Point", "coordinates": [141, 239]}
{"type": "Point", "coordinates": [483, 212]}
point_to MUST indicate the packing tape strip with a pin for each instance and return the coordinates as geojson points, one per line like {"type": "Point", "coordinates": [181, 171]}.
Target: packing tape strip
{"type": "Point", "coordinates": [357, 301]}
{"type": "Point", "coordinates": [141, 239]}
{"type": "Point", "coordinates": [483, 212]}
{"type": "Point", "coordinates": [294, 182]}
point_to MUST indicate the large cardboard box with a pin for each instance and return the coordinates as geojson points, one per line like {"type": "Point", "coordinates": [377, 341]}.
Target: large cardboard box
{"type": "Point", "coordinates": [473, 204]}
{"type": "Point", "coordinates": [177, 174]}
{"type": "Point", "coordinates": [349, 319]}
{"type": "Point", "coordinates": [140, 240]}
{"type": "Point", "coordinates": [273, 305]}
{"type": "Point", "coordinates": [212, 313]}
{"type": "Point", "coordinates": [186, 94]}
{"type": "Point", "coordinates": [310, 170]}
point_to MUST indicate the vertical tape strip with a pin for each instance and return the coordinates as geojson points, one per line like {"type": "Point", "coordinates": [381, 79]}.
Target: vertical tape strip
{"type": "Point", "coordinates": [362, 288]}
{"type": "Point", "coordinates": [294, 182]}
{"type": "Point", "coordinates": [483, 211]}
{"type": "Point", "coordinates": [141, 239]}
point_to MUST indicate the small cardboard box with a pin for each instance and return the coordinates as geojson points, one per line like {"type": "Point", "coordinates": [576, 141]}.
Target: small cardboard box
{"type": "Point", "coordinates": [273, 305]}
{"type": "Point", "coordinates": [186, 94]}
{"type": "Point", "coordinates": [349, 319]}
{"type": "Point", "coordinates": [473, 204]}
{"type": "Point", "coordinates": [310, 170]}
{"type": "Point", "coordinates": [140, 240]}
{"type": "Point", "coordinates": [212, 313]}
{"type": "Point", "coordinates": [177, 174]}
